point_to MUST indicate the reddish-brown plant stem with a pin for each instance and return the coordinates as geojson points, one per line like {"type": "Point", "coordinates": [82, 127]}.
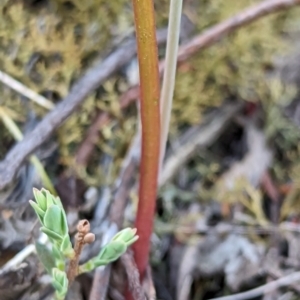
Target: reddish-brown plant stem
{"type": "Point", "coordinates": [150, 118]}
{"type": "Point", "coordinates": [82, 237]}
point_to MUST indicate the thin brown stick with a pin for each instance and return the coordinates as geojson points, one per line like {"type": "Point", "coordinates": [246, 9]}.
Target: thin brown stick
{"type": "Point", "coordinates": [88, 144]}
{"type": "Point", "coordinates": [245, 17]}
{"type": "Point", "coordinates": [81, 238]}
{"type": "Point", "coordinates": [133, 277]}
{"type": "Point", "coordinates": [101, 279]}
{"type": "Point", "coordinates": [100, 284]}
{"type": "Point", "coordinates": [125, 182]}
{"type": "Point", "coordinates": [266, 288]}
{"type": "Point", "coordinates": [271, 190]}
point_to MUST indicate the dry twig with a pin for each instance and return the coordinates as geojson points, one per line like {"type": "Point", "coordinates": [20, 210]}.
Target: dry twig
{"type": "Point", "coordinates": [267, 288]}
{"type": "Point", "coordinates": [22, 255]}
{"type": "Point", "coordinates": [102, 274]}
{"type": "Point", "coordinates": [133, 277]}
{"type": "Point", "coordinates": [247, 16]}
{"type": "Point", "coordinates": [81, 238]}
{"type": "Point", "coordinates": [87, 146]}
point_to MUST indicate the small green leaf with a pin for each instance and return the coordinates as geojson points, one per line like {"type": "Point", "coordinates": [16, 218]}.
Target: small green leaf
{"type": "Point", "coordinates": [57, 201]}
{"type": "Point", "coordinates": [65, 243]}
{"type": "Point", "coordinates": [64, 222]}
{"type": "Point", "coordinates": [101, 262]}
{"type": "Point", "coordinates": [127, 236]}
{"type": "Point", "coordinates": [52, 219]}
{"type": "Point", "coordinates": [52, 234]}
{"type": "Point", "coordinates": [37, 210]}
{"type": "Point", "coordinates": [56, 285]}
{"type": "Point", "coordinates": [59, 259]}
{"type": "Point", "coordinates": [112, 251]}
{"type": "Point", "coordinates": [45, 257]}
{"type": "Point", "coordinates": [56, 253]}
{"type": "Point", "coordinates": [60, 281]}
{"type": "Point", "coordinates": [88, 266]}
{"type": "Point", "coordinates": [66, 247]}
{"type": "Point", "coordinates": [55, 220]}
{"type": "Point", "coordinates": [40, 199]}
{"type": "Point", "coordinates": [60, 265]}
{"type": "Point", "coordinates": [49, 198]}
{"type": "Point", "coordinates": [59, 296]}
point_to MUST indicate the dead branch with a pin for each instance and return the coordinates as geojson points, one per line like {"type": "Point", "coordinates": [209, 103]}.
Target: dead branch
{"type": "Point", "coordinates": [100, 283]}
{"type": "Point", "coordinates": [133, 276]}
{"type": "Point", "coordinates": [88, 144]}
{"type": "Point", "coordinates": [125, 182]}
{"type": "Point", "coordinates": [101, 279]}
{"type": "Point", "coordinates": [267, 288]}
{"type": "Point", "coordinates": [247, 16]}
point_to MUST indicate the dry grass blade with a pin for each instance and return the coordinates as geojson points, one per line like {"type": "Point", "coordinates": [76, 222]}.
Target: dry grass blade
{"type": "Point", "coordinates": [25, 91]}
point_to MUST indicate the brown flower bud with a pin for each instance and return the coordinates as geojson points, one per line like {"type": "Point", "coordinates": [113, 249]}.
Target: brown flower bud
{"type": "Point", "coordinates": [89, 238]}
{"type": "Point", "coordinates": [83, 226]}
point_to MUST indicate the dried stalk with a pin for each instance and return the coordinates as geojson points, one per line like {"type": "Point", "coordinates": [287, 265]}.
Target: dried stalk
{"type": "Point", "coordinates": [170, 73]}
{"type": "Point", "coordinates": [133, 277]}
{"type": "Point", "coordinates": [81, 238]}
{"type": "Point", "coordinates": [25, 91]}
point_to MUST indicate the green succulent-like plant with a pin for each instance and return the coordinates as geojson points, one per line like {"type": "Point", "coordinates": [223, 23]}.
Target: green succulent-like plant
{"type": "Point", "coordinates": [54, 222]}
{"type": "Point", "coordinates": [61, 260]}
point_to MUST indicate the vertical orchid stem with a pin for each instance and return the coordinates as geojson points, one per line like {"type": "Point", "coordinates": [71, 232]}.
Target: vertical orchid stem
{"type": "Point", "coordinates": [150, 120]}
{"type": "Point", "coordinates": [170, 73]}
